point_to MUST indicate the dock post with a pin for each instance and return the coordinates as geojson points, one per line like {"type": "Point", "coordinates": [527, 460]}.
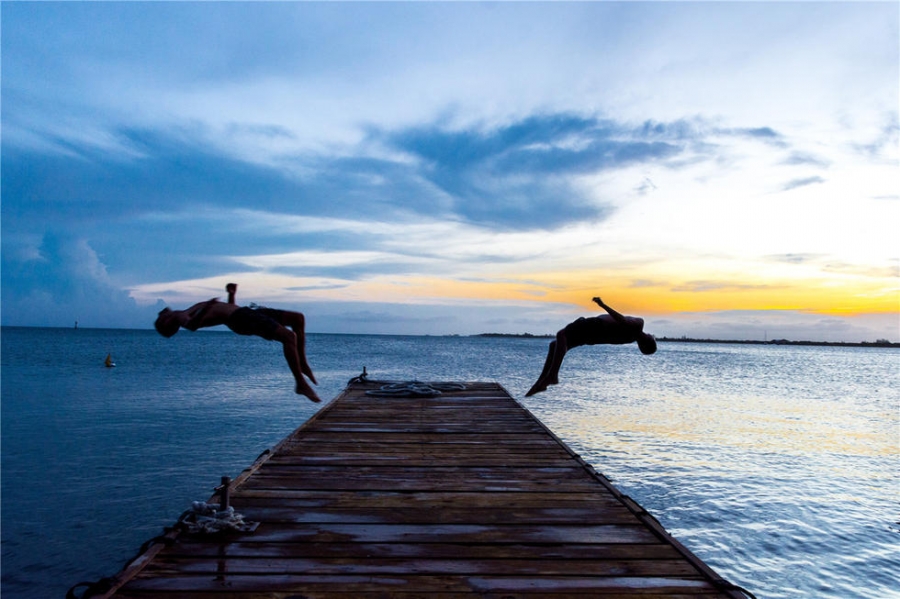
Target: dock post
{"type": "Point", "coordinates": [224, 493]}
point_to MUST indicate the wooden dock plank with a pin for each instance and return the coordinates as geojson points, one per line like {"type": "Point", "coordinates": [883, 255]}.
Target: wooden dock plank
{"type": "Point", "coordinates": [457, 551]}
{"type": "Point", "coordinates": [457, 495]}
{"type": "Point", "coordinates": [347, 585]}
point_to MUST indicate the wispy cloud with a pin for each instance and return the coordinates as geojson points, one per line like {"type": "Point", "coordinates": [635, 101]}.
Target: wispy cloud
{"type": "Point", "coordinates": [800, 158]}
{"type": "Point", "coordinates": [519, 175]}
{"type": "Point", "coordinates": [795, 258]}
{"type": "Point", "coordinates": [886, 140]}
{"type": "Point", "coordinates": [705, 286]}
{"type": "Point", "coordinates": [794, 184]}
{"type": "Point", "coordinates": [886, 271]}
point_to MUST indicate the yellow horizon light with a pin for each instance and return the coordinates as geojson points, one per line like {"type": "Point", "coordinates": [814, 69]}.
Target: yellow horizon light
{"type": "Point", "coordinates": [658, 298]}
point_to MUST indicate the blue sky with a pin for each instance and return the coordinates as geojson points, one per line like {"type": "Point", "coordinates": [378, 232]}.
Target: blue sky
{"type": "Point", "coordinates": [722, 169]}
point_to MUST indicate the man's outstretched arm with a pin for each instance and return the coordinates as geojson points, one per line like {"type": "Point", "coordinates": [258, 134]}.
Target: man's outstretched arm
{"type": "Point", "coordinates": [618, 317]}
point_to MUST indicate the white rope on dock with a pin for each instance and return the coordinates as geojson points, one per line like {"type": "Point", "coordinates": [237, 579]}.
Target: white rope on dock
{"type": "Point", "coordinates": [414, 389]}
{"type": "Point", "coordinates": [207, 518]}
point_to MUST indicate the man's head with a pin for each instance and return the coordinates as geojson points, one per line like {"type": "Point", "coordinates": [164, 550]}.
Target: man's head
{"type": "Point", "coordinates": [166, 324]}
{"type": "Point", "coordinates": [647, 344]}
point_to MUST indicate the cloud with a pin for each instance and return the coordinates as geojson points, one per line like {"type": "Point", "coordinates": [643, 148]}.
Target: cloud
{"type": "Point", "coordinates": [766, 134]}
{"type": "Point", "coordinates": [642, 283]}
{"type": "Point", "coordinates": [775, 324]}
{"type": "Point", "coordinates": [794, 258]}
{"type": "Point", "coordinates": [794, 184]}
{"type": "Point", "coordinates": [799, 158]}
{"type": "Point", "coordinates": [62, 281]}
{"type": "Point", "coordinates": [646, 186]}
{"type": "Point", "coordinates": [520, 175]}
{"type": "Point", "coordinates": [442, 318]}
{"type": "Point", "coordinates": [436, 142]}
{"type": "Point", "coordinates": [885, 142]}
{"type": "Point", "coordinates": [702, 286]}
{"type": "Point", "coordinates": [887, 269]}
{"type": "Point", "coordinates": [891, 271]}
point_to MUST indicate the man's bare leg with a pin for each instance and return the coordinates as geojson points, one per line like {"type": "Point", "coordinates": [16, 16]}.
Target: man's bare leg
{"type": "Point", "coordinates": [297, 322]}
{"type": "Point", "coordinates": [540, 385]}
{"type": "Point", "coordinates": [288, 341]}
{"type": "Point", "coordinates": [562, 346]}
{"type": "Point", "coordinates": [550, 373]}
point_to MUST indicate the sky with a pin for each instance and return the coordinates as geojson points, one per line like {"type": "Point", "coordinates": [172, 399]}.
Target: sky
{"type": "Point", "coordinates": [722, 169]}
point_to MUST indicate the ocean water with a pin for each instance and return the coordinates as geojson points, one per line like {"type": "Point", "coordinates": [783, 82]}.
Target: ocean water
{"type": "Point", "coordinates": [777, 465]}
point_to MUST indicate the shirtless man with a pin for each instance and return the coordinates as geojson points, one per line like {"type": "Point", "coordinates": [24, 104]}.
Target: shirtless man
{"type": "Point", "coordinates": [611, 327]}
{"type": "Point", "coordinates": [283, 326]}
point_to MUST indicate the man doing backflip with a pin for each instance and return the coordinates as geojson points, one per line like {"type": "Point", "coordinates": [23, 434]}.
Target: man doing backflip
{"type": "Point", "coordinates": [283, 326]}
{"type": "Point", "coordinates": [611, 327]}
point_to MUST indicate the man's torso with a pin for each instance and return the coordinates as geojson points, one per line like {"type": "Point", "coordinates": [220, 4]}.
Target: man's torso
{"type": "Point", "coordinates": [602, 329]}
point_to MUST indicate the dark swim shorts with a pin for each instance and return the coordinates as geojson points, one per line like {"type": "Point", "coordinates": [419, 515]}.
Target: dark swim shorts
{"type": "Point", "coordinates": [263, 322]}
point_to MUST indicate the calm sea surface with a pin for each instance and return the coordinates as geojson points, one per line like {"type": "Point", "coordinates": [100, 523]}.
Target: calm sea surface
{"type": "Point", "coordinates": [776, 465]}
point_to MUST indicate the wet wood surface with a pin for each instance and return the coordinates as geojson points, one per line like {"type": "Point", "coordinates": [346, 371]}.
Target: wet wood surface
{"type": "Point", "coordinates": [461, 494]}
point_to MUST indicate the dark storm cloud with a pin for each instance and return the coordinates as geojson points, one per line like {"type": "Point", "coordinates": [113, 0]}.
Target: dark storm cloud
{"type": "Point", "coordinates": [63, 282]}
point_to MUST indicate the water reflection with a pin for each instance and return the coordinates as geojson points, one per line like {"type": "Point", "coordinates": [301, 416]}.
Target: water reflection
{"type": "Point", "coordinates": [773, 464]}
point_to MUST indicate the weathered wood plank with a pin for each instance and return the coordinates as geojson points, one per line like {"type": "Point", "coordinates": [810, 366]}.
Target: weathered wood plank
{"type": "Point", "coordinates": [450, 551]}
{"type": "Point", "coordinates": [363, 438]}
{"type": "Point", "coordinates": [332, 592]}
{"type": "Point", "coordinates": [353, 584]}
{"type": "Point", "coordinates": [362, 484]}
{"type": "Point", "coordinates": [434, 500]}
{"type": "Point", "coordinates": [468, 567]}
{"type": "Point", "coordinates": [448, 533]}
{"type": "Point", "coordinates": [285, 512]}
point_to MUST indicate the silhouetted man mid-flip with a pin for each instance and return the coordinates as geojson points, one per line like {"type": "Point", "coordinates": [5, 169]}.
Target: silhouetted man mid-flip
{"type": "Point", "coordinates": [283, 326]}
{"type": "Point", "coordinates": [611, 328]}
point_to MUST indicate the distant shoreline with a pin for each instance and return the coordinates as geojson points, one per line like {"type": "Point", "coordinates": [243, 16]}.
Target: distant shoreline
{"type": "Point", "coordinates": [515, 335]}
{"type": "Point", "coordinates": [879, 343]}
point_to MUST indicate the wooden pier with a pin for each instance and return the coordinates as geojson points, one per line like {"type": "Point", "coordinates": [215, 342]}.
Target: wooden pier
{"type": "Point", "coordinates": [464, 493]}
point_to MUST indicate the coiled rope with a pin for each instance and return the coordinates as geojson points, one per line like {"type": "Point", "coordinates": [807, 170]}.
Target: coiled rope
{"type": "Point", "coordinates": [207, 518]}
{"type": "Point", "coordinates": [414, 389]}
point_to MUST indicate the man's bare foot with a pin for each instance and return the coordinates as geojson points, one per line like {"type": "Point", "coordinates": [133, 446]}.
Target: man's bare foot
{"type": "Point", "coordinates": [308, 372]}
{"type": "Point", "coordinates": [306, 390]}
{"type": "Point", "coordinates": [537, 388]}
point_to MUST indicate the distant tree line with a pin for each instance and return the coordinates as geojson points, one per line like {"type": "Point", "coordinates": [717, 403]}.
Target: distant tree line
{"type": "Point", "coordinates": [517, 335]}
{"type": "Point", "coordinates": [878, 343]}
